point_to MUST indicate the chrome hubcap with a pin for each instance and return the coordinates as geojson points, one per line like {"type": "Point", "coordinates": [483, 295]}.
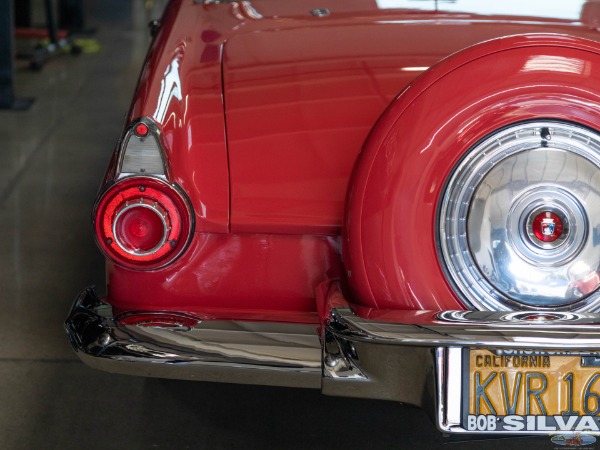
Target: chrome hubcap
{"type": "Point", "coordinates": [520, 220]}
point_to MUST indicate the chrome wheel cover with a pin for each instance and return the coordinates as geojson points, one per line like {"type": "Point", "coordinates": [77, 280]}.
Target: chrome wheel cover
{"type": "Point", "coordinates": [519, 221]}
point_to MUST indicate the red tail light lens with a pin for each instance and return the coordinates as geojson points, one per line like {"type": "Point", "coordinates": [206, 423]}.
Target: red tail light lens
{"type": "Point", "coordinates": [142, 223]}
{"type": "Point", "coordinates": [141, 227]}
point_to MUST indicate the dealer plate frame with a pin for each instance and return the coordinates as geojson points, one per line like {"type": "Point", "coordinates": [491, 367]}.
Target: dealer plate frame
{"type": "Point", "coordinates": [457, 399]}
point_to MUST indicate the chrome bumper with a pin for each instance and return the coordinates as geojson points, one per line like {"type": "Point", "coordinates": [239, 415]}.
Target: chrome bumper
{"type": "Point", "coordinates": [230, 351]}
{"type": "Point", "coordinates": [408, 356]}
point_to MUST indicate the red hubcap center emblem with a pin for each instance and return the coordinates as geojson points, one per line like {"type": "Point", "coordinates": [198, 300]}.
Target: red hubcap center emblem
{"type": "Point", "coordinates": [547, 227]}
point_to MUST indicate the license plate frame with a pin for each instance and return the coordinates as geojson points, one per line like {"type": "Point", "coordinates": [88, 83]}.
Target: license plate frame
{"type": "Point", "coordinates": [512, 418]}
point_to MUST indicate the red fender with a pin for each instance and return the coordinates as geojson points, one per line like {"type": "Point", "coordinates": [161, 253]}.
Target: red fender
{"type": "Point", "coordinates": [390, 251]}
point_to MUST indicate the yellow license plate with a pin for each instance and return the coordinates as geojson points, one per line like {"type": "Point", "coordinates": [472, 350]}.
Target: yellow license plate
{"type": "Point", "coordinates": [521, 391]}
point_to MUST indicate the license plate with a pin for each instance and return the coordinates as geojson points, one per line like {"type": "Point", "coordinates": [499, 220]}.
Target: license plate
{"type": "Point", "coordinates": [518, 391]}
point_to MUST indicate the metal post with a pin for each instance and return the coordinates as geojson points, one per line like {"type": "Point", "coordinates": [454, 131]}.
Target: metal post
{"type": "Point", "coordinates": [70, 15]}
{"type": "Point", "coordinates": [23, 13]}
{"type": "Point", "coordinates": [40, 55]}
{"type": "Point", "coordinates": [7, 53]}
{"type": "Point", "coordinates": [51, 22]}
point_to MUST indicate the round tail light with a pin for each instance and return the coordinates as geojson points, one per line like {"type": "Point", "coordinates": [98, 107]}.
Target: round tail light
{"type": "Point", "coordinates": [142, 223]}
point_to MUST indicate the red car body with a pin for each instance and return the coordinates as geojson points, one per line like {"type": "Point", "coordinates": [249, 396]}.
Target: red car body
{"type": "Point", "coordinates": [306, 149]}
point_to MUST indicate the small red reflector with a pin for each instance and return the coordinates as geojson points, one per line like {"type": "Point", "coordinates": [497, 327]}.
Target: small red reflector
{"type": "Point", "coordinates": [541, 317]}
{"type": "Point", "coordinates": [141, 129]}
{"type": "Point", "coordinates": [140, 229]}
{"type": "Point", "coordinates": [166, 320]}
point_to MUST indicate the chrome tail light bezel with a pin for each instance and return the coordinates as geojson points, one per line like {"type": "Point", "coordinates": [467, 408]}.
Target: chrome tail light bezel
{"type": "Point", "coordinates": [485, 245]}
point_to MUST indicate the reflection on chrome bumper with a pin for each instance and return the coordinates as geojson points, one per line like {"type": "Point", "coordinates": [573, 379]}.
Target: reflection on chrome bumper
{"type": "Point", "coordinates": [407, 356]}
{"type": "Point", "coordinates": [237, 352]}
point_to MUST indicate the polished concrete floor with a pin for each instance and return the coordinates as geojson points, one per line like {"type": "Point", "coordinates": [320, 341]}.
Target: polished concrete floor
{"type": "Point", "coordinates": [52, 158]}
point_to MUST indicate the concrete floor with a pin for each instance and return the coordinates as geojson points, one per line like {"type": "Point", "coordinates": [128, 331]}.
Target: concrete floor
{"type": "Point", "coordinates": [52, 159]}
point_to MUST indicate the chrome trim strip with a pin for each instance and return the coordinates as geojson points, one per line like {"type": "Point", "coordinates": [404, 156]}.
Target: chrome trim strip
{"type": "Point", "coordinates": [276, 354]}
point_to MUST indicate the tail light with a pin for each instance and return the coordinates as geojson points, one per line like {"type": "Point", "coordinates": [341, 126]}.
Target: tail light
{"type": "Point", "coordinates": [142, 222]}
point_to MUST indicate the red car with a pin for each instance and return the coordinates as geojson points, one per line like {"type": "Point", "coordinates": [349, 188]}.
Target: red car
{"type": "Point", "coordinates": [390, 199]}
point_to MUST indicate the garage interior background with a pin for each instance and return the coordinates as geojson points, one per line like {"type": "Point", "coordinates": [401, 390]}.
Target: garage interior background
{"type": "Point", "coordinates": [52, 159]}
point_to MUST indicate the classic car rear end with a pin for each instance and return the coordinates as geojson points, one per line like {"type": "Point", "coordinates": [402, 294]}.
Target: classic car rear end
{"type": "Point", "coordinates": [393, 201]}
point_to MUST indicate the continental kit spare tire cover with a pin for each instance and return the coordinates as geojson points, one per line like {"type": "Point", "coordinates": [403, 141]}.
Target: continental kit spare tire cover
{"type": "Point", "coordinates": [448, 198]}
